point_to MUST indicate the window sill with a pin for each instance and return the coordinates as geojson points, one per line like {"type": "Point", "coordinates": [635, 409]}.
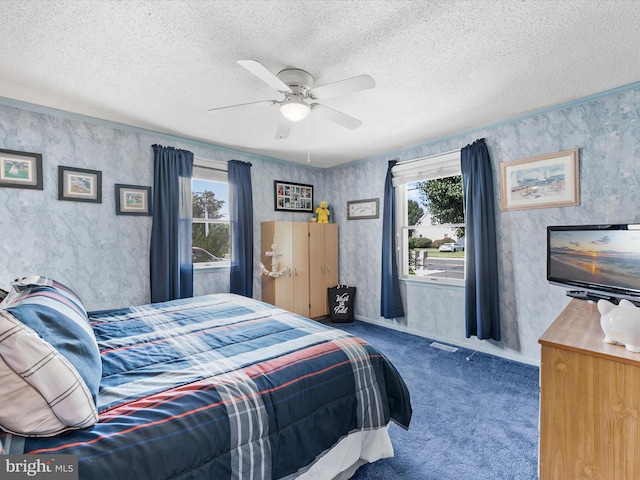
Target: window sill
{"type": "Point", "coordinates": [212, 268]}
{"type": "Point", "coordinates": [435, 281]}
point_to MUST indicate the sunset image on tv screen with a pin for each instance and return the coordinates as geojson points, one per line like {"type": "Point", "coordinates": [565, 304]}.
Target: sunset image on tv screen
{"type": "Point", "coordinates": [601, 257]}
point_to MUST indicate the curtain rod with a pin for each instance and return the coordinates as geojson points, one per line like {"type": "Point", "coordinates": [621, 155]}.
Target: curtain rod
{"type": "Point", "coordinates": [210, 168]}
{"type": "Point", "coordinates": [429, 156]}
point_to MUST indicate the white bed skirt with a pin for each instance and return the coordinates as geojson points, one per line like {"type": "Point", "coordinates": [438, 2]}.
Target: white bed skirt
{"type": "Point", "coordinates": [356, 449]}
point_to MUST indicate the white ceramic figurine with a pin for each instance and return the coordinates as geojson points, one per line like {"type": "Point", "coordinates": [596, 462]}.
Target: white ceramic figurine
{"type": "Point", "coordinates": [620, 323]}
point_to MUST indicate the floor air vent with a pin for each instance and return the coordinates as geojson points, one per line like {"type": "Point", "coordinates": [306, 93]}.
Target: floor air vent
{"type": "Point", "coordinates": [444, 347]}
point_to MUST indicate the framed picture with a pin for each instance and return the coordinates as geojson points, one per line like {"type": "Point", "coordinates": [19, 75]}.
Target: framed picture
{"type": "Point", "coordinates": [133, 200]}
{"type": "Point", "coordinates": [363, 209]}
{"type": "Point", "coordinates": [20, 169]}
{"type": "Point", "coordinates": [540, 182]}
{"type": "Point", "coordinates": [293, 197]}
{"type": "Point", "coordinates": [79, 185]}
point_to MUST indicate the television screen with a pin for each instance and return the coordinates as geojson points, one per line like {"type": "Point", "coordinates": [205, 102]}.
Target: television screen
{"type": "Point", "coordinates": [603, 260]}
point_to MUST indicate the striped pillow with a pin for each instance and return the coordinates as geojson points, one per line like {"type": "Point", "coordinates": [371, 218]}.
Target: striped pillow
{"type": "Point", "coordinates": [50, 366]}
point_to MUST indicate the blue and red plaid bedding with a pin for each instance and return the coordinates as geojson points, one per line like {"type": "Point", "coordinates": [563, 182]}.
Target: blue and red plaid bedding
{"type": "Point", "coordinates": [223, 387]}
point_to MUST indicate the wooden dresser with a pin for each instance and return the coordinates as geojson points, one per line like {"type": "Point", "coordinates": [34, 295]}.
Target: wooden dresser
{"type": "Point", "coordinates": [589, 401]}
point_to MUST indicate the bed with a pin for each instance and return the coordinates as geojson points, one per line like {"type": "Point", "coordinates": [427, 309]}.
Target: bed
{"type": "Point", "coordinates": [214, 387]}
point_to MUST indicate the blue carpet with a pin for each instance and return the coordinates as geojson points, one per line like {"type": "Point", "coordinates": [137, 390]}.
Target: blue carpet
{"type": "Point", "coordinates": [472, 420]}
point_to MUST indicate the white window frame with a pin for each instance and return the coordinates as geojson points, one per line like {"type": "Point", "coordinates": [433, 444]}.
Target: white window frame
{"type": "Point", "coordinates": [214, 171]}
{"type": "Point", "coordinates": [426, 168]}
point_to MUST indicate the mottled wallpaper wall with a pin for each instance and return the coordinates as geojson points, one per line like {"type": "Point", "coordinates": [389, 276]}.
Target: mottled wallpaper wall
{"type": "Point", "coordinates": [104, 257]}
{"type": "Point", "coordinates": [606, 130]}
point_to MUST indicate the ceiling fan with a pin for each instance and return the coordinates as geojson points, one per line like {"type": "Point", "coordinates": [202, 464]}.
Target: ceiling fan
{"type": "Point", "coordinates": [299, 95]}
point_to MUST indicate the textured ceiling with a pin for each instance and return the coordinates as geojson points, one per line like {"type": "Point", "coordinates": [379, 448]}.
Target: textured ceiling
{"type": "Point", "coordinates": [440, 67]}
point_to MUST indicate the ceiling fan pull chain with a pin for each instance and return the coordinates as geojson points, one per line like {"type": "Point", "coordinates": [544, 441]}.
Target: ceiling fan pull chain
{"type": "Point", "coordinates": [308, 142]}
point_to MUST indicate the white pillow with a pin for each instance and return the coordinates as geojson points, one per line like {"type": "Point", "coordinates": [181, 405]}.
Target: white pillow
{"type": "Point", "coordinates": [50, 365]}
{"type": "Point", "coordinates": [42, 393]}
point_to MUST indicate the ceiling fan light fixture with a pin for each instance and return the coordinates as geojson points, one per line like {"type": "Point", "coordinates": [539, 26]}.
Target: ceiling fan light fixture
{"type": "Point", "coordinates": [294, 109]}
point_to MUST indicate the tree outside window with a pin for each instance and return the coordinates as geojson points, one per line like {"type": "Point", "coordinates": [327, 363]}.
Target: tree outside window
{"type": "Point", "coordinates": [433, 245]}
{"type": "Point", "coordinates": [442, 197]}
{"type": "Point", "coordinates": [211, 226]}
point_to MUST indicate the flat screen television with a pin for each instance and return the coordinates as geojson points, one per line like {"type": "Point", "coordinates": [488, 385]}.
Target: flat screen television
{"type": "Point", "coordinates": [595, 261]}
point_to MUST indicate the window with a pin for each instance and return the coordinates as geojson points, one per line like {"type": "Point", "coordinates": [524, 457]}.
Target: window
{"type": "Point", "coordinates": [211, 239]}
{"type": "Point", "coordinates": [431, 219]}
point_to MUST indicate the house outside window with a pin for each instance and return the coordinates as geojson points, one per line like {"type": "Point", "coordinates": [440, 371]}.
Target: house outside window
{"type": "Point", "coordinates": [211, 232]}
{"type": "Point", "coordinates": [430, 215]}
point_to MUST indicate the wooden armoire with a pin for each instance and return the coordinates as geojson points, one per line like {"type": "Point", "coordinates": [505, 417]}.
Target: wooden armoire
{"type": "Point", "coordinates": [310, 251]}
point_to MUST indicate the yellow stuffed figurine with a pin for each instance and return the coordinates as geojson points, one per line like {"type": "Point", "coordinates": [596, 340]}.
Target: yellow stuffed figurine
{"type": "Point", "coordinates": [323, 212]}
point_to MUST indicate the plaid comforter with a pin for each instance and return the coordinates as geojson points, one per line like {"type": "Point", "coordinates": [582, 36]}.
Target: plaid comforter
{"type": "Point", "coordinates": [223, 387]}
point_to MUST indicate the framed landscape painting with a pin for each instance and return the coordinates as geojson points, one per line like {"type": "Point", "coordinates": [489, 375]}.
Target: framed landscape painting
{"type": "Point", "coordinates": [133, 200]}
{"type": "Point", "coordinates": [79, 184]}
{"type": "Point", "coordinates": [20, 169]}
{"type": "Point", "coordinates": [540, 182]}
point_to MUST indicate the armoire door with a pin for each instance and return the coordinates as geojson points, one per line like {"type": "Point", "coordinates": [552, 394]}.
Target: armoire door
{"type": "Point", "coordinates": [278, 291]}
{"type": "Point", "coordinates": [300, 268]}
{"type": "Point", "coordinates": [323, 266]}
{"type": "Point", "coordinates": [331, 274]}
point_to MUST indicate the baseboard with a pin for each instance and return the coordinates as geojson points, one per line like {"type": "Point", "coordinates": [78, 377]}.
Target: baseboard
{"type": "Point", "coordinates": [477, 348]}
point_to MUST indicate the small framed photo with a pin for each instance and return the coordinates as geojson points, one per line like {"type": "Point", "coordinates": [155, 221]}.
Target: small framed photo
{"type": "Point", "coordinates": [79, 184]}
{"type": "Point", "coordinates": [363, 209]}
{"type": "Point", "coordinates": [20, 169]}
{"type": "Point", "coordinates": [133, 200]}
{"type": "Point", "coordinates": [293, 197]}
{"type": "Point", "coordinates": [544, 181]}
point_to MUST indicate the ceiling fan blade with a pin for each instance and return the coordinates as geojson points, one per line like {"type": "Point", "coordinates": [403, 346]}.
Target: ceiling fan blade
{"type": "Point", "coordinates": [265, 75]}
{"type": "Point", "coordinates": [336, 116]}
{"type": "Point", "coordinates": [361, 82]}
{"type": "Point", "coordinates": [272, 102]}
{"type": "Point", "coordinates": [283, 128]}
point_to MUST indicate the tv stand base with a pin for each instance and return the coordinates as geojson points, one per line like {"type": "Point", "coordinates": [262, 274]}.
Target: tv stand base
{"type": "Point", "coordinates": [594, 297]}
